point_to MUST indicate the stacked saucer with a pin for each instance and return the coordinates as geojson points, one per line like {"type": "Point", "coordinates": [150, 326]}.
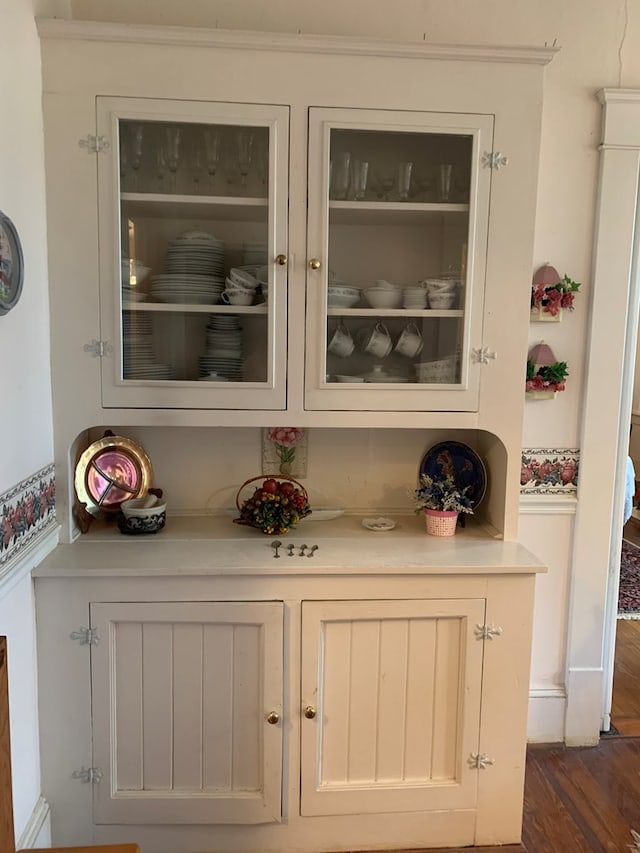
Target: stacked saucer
{"type": "Point", "coordinates": [196, 252]}
{"type": "Point", "coordinates": [187, 289]}
{"type": "Point", "coordinates": [224, 353]}
{"type": "Point", "coordinates": [138, 357]}
{"type": "Point", "coordinates": [194, 271]}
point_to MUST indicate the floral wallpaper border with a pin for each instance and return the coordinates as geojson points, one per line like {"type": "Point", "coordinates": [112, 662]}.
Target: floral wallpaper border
{"type": "Point", "coordinates": [549, 471]}
{"type": "Point", "coordinates": [26, 510]}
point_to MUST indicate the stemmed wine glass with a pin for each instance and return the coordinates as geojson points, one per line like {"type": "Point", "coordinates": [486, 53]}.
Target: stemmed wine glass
{"type": "Point", "coordinates": [245, 146]}
{"type": "Point", "coordinates": [136, 139]}
{"type": "Point", "coordinates": [124, 163]}
{"type": "Point", "coordinates": [213, 151]}
{"type": "Point", "coordinates": [197, 164]}
{"type": "Point", "coordinates": [173, 139]}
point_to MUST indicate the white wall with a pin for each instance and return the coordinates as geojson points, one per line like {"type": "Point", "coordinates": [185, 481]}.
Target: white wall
{"type": "Point", "coordinates": [25, 425]}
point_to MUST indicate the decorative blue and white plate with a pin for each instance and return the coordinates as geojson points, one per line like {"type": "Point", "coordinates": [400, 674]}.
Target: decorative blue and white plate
{"type": "Point", "coordinates": [467, 468]}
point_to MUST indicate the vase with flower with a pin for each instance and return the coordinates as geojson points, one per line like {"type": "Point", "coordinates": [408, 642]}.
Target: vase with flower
{"type": "Point", "coordinates": [441, 500]}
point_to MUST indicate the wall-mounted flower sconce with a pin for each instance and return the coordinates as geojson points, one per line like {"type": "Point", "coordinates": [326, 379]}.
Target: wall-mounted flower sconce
{"type": "Point", "coordinates": [551, 294]}
{"type": "Point", "coordinates": [545, 375]}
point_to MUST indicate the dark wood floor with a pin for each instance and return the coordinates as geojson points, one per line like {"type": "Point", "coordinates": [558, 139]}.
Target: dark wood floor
{"type": "Point", "coordinates": [625, 706]}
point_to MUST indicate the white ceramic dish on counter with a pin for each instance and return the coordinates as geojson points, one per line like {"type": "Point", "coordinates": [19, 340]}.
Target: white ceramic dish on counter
{"type": "Point", "coordinates": [378, 524]}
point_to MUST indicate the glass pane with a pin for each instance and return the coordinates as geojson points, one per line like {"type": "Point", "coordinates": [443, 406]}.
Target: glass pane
{"type": "Point", "coordinates": [194, 248]}
{"type": "Point", "coordinates": [398, 236]}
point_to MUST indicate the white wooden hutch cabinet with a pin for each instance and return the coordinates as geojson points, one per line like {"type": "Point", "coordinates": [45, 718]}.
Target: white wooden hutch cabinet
{"type": "Point", "coordinates": [375, 698]}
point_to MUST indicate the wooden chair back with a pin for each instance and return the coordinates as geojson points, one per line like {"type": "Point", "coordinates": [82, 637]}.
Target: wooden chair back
{"type": "Point", "coordinates": [7, 839]}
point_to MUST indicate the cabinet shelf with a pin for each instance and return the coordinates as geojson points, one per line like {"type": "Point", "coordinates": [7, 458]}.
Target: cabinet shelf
{"type": "Point", "coordinates": [430, 313]}
{"type": "Point", "coordinates": [165, 206]}
{"type": "Point", "coordinates": [190, 308]}
{"type": "Point", "coordinates": [390, 212]}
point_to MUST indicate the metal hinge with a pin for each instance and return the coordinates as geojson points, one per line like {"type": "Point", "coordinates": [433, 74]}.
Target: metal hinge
{"type": "Point", "coordinates": [479, 761]}
{"type": "Point", "coordinates": [483, 355]}
{"type": "Point", "coordinates": [88, 774]}
{"type": "Point", "coordinates": [487, 632]}
{"type": "Point", "coordinates": [94, 144]}
{"type": "Point", "coordinates": [99, 349]}
{"type": "Point", "coordinates": [494, 160]}
{"type": "Point", "coordinates": [86, 636]}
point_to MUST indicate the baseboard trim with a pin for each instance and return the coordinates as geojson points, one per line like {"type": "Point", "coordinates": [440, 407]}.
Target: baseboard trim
{"type": "Point", "coordinates": [547, 708]}
{"type": "Point", "coordinates": [38, 818]}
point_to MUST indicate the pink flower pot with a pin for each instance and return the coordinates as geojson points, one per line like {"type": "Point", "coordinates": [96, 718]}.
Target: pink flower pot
{"type": "Point", "coordinates": [440, 523]}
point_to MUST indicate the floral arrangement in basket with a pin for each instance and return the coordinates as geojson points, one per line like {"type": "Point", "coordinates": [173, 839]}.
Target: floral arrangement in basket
{"type": "Point", "coordinates": [442, 494]}
{"type": "Point", "coordinates": [545, 375]}
{"type": "Point", "coordinates": [550, 293]}
{"type": "Point", "coordinates": [276, 505]}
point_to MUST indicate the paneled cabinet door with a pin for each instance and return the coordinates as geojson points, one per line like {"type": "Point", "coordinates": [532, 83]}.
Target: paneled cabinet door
{"type": "Point", "coordinates": [390, 704]}
{"type": "Point", "coordinates": [185, 698]}
{"type": "Point", "coordinates": [397, 239]}
{"type": "Point", "coordinates": [193, 246]}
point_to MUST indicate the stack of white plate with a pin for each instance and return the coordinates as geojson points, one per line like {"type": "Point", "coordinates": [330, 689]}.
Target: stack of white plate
{"type": "Point", "coordinates": [224, 353]}
{"type": "Point", "coordinates": [196, 252]}
{"type": "Point", "coordinates": [254, 253]}
{"type": "Point", "coordinates": [138, 357]}
{"type": "Point", "coordinates": [187, 289]}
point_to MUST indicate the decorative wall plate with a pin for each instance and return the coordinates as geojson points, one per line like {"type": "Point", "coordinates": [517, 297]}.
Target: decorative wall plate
{"type": "Point", "coordinates": [110, 471]}
{"type": "Point", "coordinates": [11, 265]}
{"type": "Point", "coordinates": [453, 457]}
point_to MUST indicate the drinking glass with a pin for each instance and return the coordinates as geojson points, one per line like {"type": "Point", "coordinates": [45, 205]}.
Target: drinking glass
{"type": "Point", "coordinates": [340, 175]}
{"type": "Point", "coordinates": [244, 139]}
{"type": "Point", "coordinates": [213, 149]}
{"type": "Point", "coordinates": [403, 180]}
{"type": "Point", "coordinates": [173, 140]}
{"type": "Point", "coordinates": [359, 179]}
{"type": "Point", "coordinates": [444, 182]}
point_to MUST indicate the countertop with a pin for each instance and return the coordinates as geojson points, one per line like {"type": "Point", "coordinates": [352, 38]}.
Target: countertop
{"type": "Point", "coordinates": [214, 545]}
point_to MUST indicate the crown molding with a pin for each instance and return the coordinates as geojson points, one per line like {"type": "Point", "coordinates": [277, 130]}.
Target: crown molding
{"type": "Point", "coordinates": [56, 28]}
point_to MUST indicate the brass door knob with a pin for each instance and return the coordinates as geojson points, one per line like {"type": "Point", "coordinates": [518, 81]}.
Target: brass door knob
{"type": "Point", "coordinates": [281, 260]}
{"type": "Point", "coordinates": [314, 263]}
{"type": "Point", "coordinates": [273, 717]}
{"type": "Point", "coordinates": [309, 712]}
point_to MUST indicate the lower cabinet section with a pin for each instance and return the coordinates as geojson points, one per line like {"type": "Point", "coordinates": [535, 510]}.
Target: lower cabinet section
{"type": "Point", "coordinates": [187, 697]}
{"type": "Point", "coordinates": [392, 690]}
{"type": "Point", "coordinates": [274, 714]}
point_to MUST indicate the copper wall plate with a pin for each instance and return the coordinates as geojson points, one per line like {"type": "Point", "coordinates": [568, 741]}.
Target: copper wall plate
{"type": "Point", "coordinates": [111, 470]}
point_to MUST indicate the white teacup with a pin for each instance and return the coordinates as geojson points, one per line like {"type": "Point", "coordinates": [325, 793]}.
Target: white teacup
{"type": "Point", "coordinates": [376, 341]}
{"type": "Point", "coordinates": [341, 342]}
{"type": "Point", "coordinates": [237, 297]}
{"type": "Point", "coordinates": [237, 287]}
{"type": "Point", "coordinates": [410, 342]}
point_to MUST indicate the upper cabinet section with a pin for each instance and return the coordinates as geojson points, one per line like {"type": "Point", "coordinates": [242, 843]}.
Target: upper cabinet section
{"type": "Point", "coordinates": [398, 213]}
{"type": "Point", "coordinates": [303, 229]}
{"type": "Point", "coordinates": [193, 207]}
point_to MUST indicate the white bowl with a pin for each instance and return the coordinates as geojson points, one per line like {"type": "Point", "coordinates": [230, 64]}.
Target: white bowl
{"type": "Point", "coordinates": [380, 298]}
{"type": "Point", "coordinates": [341, 377]}
{"type": "Point", "coordinates": [342, 297]}
{"type": "Point", "coordinates": [144, 507]}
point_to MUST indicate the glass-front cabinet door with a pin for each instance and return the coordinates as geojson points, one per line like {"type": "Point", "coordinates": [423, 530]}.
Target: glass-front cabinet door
{"type": "Point", "coordinates": [398, 213]}
{"type": "Point", "coordinates": [193, 231]}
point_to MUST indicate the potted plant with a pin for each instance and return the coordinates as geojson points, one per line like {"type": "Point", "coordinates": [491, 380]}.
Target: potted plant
{"type": "Point", "coordinates": [441, 500]}
{"type": "Point", "coordinates": [550, 294]}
